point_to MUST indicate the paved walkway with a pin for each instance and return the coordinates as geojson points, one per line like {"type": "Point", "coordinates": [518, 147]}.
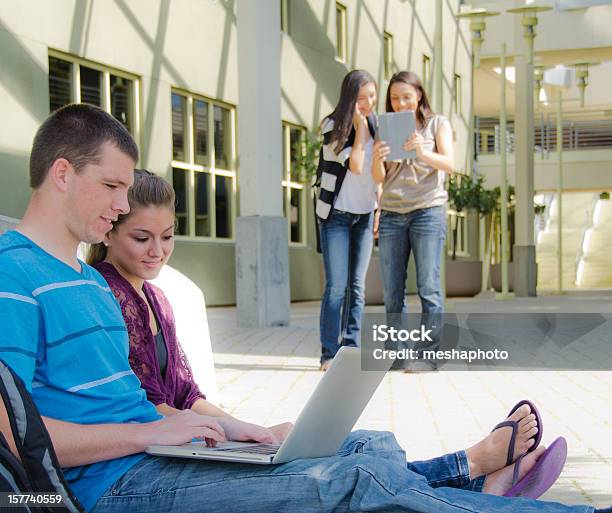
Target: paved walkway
{"type": "Point", "coordinates": [266, 375]}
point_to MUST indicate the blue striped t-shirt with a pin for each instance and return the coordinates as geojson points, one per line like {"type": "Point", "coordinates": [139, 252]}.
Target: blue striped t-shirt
{"type": "Point", "coordinates": [63, 333]}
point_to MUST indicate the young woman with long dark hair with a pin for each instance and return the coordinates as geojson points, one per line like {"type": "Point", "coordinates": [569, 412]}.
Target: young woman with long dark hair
{"type": "Point", "coordinates": [134, 252]}
{"type": "Point", "coordinates": [413, 201]}
{"type": "Point", "coordinates": [345, 211]}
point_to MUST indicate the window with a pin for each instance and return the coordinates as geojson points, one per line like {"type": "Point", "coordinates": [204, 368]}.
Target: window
{"type": "Point", "coordinates": [293, 189]}
{"type": "Point", "coordinates": [457, 93]}
{"type": "Point", "coordinates": [284, 14]}
{"type": "Point", "coordinates": [426, 73]}
{"type": "Point", "coordinates": [60, 83]}
{"type": "Point", "coordinates": [341, 33]}
{"type": "Point", "coordinates": [388, 54]}
{"type": "Point", "coordinates": [203, 166]}
{"type": "Point", "coordinates": [91, 86]}
{"type": "Point", "coordinates": [487, 140]}
{"type": "Point", "coordinates": [74, 80]}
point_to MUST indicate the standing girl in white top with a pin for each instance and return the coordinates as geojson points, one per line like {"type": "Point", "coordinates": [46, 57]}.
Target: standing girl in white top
{"type": "Point", "coordinates": [345, 211]}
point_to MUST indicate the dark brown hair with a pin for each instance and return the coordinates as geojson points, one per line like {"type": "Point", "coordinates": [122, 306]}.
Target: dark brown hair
{"type": "Point", "coordinates": [148, 190]}
{"type": "Point", "coordinates": [423, 112]}
{"type": "Point", "coordinates": [342, 115]}
{"type": "Point", "coordinates": [76, 132]}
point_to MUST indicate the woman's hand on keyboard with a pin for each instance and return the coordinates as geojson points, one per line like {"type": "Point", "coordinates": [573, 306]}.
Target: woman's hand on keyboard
{"type": "Point", "coordinates": [281, 431]}
{"type": "Point", "coordinates": [240, 431]}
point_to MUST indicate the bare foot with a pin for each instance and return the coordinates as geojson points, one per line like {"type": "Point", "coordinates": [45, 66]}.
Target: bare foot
{"type": "Point", "coordinates": [490, 454]}
{"type": "Point", "coordinates": [500, 482]}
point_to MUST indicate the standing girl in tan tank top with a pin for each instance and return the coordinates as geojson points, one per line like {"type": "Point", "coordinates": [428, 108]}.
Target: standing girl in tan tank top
{"type": "Point", "coordinates": [413, 203]}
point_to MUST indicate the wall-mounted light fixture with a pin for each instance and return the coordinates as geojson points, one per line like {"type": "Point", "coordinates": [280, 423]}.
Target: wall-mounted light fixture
{"type": "Point", "coordinates": [529, 21]}
{"type": "Point", "coordinates": [477, 27]}
{"type": "Point", "coordinates": [538, 77]}
{"type": "Point", "coordinates": [582, 77]}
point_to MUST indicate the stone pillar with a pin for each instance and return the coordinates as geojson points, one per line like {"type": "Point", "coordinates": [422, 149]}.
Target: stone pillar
{"type": "Point", "coordinates": [438, 103]}
{"type": "Point", "coordinates": [560, 191]}
{"type": "Point", "coordinates": [524, 246]}
{"type": "Point", "coordinates": [262, 247]}
{"type": "Point", "coordinates": [438, 59]}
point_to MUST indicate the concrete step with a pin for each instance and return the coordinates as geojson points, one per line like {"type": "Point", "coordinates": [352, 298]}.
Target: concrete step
{"type": "Point", "coordinates": [597, 267]}
{"type": "Point", "coordinates": [597, 262]}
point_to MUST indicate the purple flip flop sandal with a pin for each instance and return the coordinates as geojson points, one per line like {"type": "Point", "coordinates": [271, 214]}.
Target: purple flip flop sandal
{"type": "Point", "coordinates": [514, 425]}
{"type": "Point", "coordinates": [542, 475]}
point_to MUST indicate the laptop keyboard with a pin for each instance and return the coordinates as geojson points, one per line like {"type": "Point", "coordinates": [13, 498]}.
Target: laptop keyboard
{"type": "Point", "coordinates": [254, 449]}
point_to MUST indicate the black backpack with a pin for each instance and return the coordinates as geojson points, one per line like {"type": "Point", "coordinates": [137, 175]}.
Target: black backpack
{"type": "Point", "coordinates": [36, 483]}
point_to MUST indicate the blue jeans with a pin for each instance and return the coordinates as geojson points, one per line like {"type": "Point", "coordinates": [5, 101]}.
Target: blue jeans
{"type": "Point", "coordinates": [421, 232]}
{"type": "Point", "coordinates": [369, 473]}
{"type": "Point", "coordinates": [346, 243]}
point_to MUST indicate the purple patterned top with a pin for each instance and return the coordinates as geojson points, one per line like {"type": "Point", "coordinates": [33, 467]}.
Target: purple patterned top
{"type": "Point", "coordinates": [177, 388]}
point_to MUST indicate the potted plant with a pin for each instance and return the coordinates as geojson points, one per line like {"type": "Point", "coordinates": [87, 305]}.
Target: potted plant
{"type": "Point", "coordinates": [464, 274]}
{"type": "Point", "coordinates": [306, 153]}
{"type": "Point", "coordinates": [460, 190]}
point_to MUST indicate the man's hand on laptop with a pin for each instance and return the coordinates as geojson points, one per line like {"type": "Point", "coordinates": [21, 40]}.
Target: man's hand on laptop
{"type": "Point", "coordinates": [184, 427]}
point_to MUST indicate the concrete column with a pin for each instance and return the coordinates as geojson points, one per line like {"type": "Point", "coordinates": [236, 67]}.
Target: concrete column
{"type": "Point", "coordinates": [504, 175]}
{"type": "Point", "coordinates": [262, 247]}
{"type": "Point", "coordinates": [560, 191]}
{"type": "Point", "coordinates": [438, 60]}
{"type": "Point", "coordinates": [524, 248]}
{"type": "Point", "coordinates": [438, 104]}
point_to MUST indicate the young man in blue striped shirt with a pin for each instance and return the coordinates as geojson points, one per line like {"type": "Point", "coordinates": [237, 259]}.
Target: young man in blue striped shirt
{"type": "Point", "coordinates": [62, 329]}
{"type": "Point", "coordinates": [63, 333]}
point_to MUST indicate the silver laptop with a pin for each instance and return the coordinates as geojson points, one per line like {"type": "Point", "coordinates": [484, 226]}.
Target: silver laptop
{"type": "Point", "coordinates": [322, 426]}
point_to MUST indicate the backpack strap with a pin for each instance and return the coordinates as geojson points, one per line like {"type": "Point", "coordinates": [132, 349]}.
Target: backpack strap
{"type": "Point", "coordinates": [33, 441]}
{"type": "Point", "coordinates": [12, 473]}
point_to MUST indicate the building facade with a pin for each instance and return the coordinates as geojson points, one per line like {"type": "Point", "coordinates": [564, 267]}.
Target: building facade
{"type": "Point", "coordinates": [169, 72]}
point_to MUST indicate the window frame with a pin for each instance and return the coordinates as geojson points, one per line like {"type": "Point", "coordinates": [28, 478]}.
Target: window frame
{"type": "Point", "coordinates": [426, 72]}
{"type": "Point", "coordinates": [388, 54]}
{"type": "Point", "coordinates": [342, 38]}
{"type": "Point", "coordinates": [288, 185]}
{"type": "Point", "coordinates": [211, 170]}
{"type": "Point", "coordinates": [105, 96]}
{"type": "Point", "coordinates": [284, 14]}
{"type": "Point", "coordinates": [457, 96]}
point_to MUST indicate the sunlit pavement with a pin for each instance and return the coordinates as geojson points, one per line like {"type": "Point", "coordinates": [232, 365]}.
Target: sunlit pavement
{"type": "Point", "coordinates": [266, 376]}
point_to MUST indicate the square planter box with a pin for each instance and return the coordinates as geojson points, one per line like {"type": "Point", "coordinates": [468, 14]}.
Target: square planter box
{"type": "Point", "coordinates": [463, 277]}
{"type": "Point", "coordinates": [373, 283]}
{"type": "Point", "coordinates": [496, 277]}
